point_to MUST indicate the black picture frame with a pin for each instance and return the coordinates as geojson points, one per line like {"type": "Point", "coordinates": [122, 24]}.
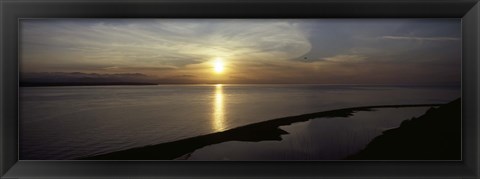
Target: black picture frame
{"type": "Point", "coordinates": [13, 10]}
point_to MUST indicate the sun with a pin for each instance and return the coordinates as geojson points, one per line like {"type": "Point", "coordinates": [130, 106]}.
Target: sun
{"type": "Point", "coordinates": [218, 65]}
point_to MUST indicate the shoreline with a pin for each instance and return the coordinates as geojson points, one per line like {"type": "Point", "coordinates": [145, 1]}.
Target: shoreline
{"type": "Point", "coordinates": [435, 135]}
{"type": "Point", "coordinates": [262, 131]}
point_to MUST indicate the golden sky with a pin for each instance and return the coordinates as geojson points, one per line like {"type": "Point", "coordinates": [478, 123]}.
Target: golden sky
{"type": "Point", "coordinates": [325, 51]}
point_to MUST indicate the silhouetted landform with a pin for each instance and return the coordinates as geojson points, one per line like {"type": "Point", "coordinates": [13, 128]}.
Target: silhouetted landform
{"type": "Point", "coordinates": [83, 79]}
{"type": "Point", "coordinates": [436, 135]}
{"type": "Point", "coordinates": [66, 78]}
{"type": "Point", "coordinates": [262, 131]}
{"type": "Point", "coordinates": [40, 84]}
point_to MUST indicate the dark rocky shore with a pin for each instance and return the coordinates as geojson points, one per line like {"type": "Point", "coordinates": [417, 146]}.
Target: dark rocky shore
{"type": "Point", "coordinates": [262, 131]}
{"type": "Point", "coordinates": [436, 135]}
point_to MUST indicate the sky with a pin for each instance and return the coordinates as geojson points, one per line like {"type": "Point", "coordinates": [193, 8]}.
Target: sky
{"type": "Point", "coordinates": [313, 51]}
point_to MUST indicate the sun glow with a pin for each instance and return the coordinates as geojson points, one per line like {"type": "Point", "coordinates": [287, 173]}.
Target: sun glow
{"type": "Point", "coordinates": [218, 65]}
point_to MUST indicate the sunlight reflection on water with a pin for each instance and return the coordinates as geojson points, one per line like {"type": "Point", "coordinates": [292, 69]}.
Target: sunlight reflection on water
{"type": "Point", "coordinates": [70, 122]}
{"type": "Point", "coordinates": [218, 110]}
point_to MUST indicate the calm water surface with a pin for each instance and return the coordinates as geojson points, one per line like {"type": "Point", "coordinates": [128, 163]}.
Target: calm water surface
{"type": "Point", "coordinates": [72, 122]}
{"type": "Point", "coordinates": [317, 139]}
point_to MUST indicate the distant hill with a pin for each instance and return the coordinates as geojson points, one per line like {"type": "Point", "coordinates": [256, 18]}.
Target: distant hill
{"type": "Point", "coordinates": [436, 135]}
{"type": "Point", "coordinates": [83, 79]}
{"type": "Point", "coordinates": [37, 84]}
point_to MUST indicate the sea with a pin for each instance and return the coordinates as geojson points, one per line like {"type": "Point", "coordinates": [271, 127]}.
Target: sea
{"type": "Point", "coordinates": [71, 122]}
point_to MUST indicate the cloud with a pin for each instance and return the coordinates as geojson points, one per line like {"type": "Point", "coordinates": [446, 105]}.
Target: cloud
{"type": "Point", "coordinates": [420, 38]}
{"type": "Point", "coordinates": [174, 43]}
{"type": "Point", "coordinates": [134, 68]}
{"type": "Point", "coordinates": [346, 58]}
{"type": "Point", "coordinates": [340, 58]}
{"type": "Point", "coordinates": [254, 50]}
